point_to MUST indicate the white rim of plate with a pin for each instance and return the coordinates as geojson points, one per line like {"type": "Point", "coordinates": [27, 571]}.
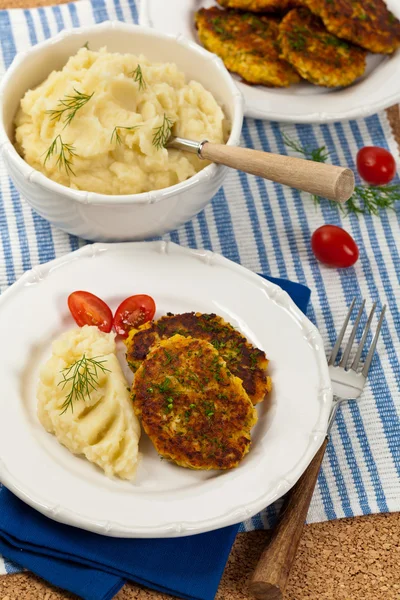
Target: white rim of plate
{"type": "Point", "coordinates": [240, 512]}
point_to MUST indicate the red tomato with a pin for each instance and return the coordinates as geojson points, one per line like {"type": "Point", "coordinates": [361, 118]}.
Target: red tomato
{"type": "Point", "coordinates": [133, 312]}
{"type": "Point", "coordinates": [333, 246]}
{"type": "Point", "coordinates": [88, 309]}
{"type": "Point", "coordinates": [376, 165]}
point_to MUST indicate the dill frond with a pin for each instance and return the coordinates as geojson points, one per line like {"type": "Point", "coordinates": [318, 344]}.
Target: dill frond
{"type": "Point", "coordinates": [69, 106]}
{"type": "Point", "coordinates": [65, 154]}
{"type": "Point", "coordinates": [115, 134]}
{"type": "Point", "coordinates": [162, 133]}
{"type": "Point", "coordinates": [137, 75]}
{"type": "Point", "coordinates": [84, 378]}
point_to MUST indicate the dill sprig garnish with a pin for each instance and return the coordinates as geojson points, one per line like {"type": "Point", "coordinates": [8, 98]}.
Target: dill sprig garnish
{"type": "Point", "coordinates": [316, 154]}
{"type": "Point", "coordinates": [84, 377]}
{"type": "Point", "coordinates": [69, 106]}
{"type": "Point", "coordinates": [115, 134]}
{"type": "Point", "coordinates": [162, 133]}
{"type": "Point", "coordinates": [86, 45]}
{"type": "Point", "coordinates": [65, 153]}
{"type": "Point", "coordinates": [371, 199]}
{"type": "Point", "coordinates": [137, 75]}
{"type": "Point", "coordinates": [366, 200]}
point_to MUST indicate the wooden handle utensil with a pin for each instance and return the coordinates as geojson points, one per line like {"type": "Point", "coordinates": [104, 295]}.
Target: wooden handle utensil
{"type": "Point", "coordinates": [272, 572]}
{"type": "Point", "coordinates": [328, 181]}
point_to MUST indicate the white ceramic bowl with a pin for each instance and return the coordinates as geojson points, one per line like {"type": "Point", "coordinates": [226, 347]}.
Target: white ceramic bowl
{"type": "Point", "coordinates": [99, 216]}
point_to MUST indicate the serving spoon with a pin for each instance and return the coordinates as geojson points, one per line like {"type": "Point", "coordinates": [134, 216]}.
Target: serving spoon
{"type": "Point", "coordinates": [328, 181]}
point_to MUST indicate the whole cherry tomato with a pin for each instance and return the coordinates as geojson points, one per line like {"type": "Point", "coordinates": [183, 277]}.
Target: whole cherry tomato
{"type": "Point", "coordinates": [376, 165]}
{"type": "Point", "coordinates": [88, 309]}
{"type": "Point", "coordinates": [133, 312]}
{"type": "Point", "coordinates": [333, 246]}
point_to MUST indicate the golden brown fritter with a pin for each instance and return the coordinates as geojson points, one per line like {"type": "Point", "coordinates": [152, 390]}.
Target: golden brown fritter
{"type": "Point", "coordinates": [248, 45]}
{"type": "Point", "coordinates": [316, 54]}
{"type": "Point", "coordinates": [243, 360]}
{"type": "Point", "coordinates": [261, 5]}
{"type": "Point", "coordinates": [194, 410]}
{"type": "Point", "coordinates": [367, 23]}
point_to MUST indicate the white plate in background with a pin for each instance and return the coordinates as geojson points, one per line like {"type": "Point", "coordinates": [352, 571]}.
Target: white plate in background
{"type": "Point", "coordinates": [165, 500]}
{"type": "Point", "coordinates": [300, 103]}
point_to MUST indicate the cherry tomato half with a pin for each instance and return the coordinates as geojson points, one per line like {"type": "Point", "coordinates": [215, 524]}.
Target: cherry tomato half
{"type": "Point", "coordinates": [88, 309]}
{"type": "Point", "coordinates": [133, 312]}
{"type": "Point", "coordinates": [333, 246]}
{"type": "Point", "coordinates": [376, 165]}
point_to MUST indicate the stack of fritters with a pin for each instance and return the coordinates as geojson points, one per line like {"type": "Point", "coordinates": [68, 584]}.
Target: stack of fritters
{"type": "Point", "coordinates": [261, 6]}
{"type": "Point", "coordinates": [245, 361]}
{"type": "Point", "coordinates": [367, 23]}
{"type": "Point", "coordinates": [196, 380]}
{"type": "Point", "coordinates": [322, 41]}
{"type": "Point", "coordinates": [316, 54]}
{"type": "Point", "coordinates": [248, 45]}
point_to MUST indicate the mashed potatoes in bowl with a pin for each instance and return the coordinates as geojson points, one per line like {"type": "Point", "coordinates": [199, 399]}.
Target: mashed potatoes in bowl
{"type": "Point", "coordinates": [100, 215]}
{"type": "Point", "coordinates": [100, 124]}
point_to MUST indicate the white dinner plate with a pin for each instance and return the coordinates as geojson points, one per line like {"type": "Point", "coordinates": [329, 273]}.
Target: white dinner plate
{"type": "Point", "coordinates": [300, 103]}
{"type": "Point", "coordinates": [165, 500]}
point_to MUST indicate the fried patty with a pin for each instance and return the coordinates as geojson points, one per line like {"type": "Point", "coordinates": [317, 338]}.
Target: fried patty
{"type": "Point", "coordinates": [243, 360]}
{"type": "Point", "coordinates": [194, 410]}
{"type": "Point", "coordinates": [367, 23]}
{"type": "Point", "coordinates": [261, 5]}
{"type": "Point", "coordinates": [248, 45]}
{"type": "Point", "coordinates": [316, 54]}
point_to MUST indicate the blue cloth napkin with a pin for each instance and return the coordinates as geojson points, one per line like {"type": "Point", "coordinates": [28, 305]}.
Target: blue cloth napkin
{"type": "Point", "coordinates": [95, 567]}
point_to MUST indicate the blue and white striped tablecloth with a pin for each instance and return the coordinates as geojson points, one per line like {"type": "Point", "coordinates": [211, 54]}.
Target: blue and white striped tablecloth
{"type": "Point", "coordinates": [267, 228]}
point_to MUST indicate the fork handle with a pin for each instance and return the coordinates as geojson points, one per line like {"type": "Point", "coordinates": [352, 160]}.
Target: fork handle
{"type": "Point", "coordinates": [272, 572]}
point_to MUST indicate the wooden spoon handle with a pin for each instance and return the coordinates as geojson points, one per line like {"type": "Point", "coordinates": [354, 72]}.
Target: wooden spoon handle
{"type": "Point", "coordinates": [328, 181]}
{"type": "Point", "coordinates": [272, 572]}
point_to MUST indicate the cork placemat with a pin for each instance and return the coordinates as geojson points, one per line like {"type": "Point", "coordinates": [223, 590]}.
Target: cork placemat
{"type": "Point", "coordinates": [348, 559]}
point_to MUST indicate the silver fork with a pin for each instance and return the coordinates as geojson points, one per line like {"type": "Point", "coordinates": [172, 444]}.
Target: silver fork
{"type": "Point", "coordinates": [272, 572]}
{"type": "Point", "coordinates": [347, 382]}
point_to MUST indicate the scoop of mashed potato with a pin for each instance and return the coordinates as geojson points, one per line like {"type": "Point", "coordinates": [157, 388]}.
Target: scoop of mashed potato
{"type": "Point", "coordinates": [103, 427]}
{"type": "Point", "coordinates": [108, 145]}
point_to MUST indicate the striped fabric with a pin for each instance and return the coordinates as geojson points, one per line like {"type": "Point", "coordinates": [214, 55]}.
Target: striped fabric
{"type": "Point", "coordinates": [267, 228]}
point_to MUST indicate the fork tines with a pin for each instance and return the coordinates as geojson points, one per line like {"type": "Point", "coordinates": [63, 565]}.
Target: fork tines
{"type": "Point", "coordinates": [346, 354]}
